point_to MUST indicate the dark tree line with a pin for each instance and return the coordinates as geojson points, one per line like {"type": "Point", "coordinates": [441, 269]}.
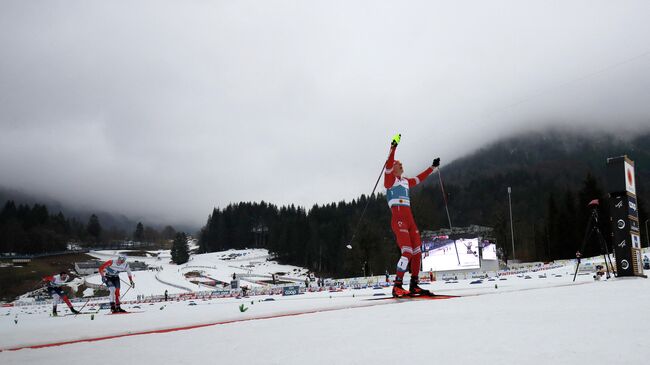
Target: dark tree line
{"type": "Point", "coordinates": [316, 239]}
{"type": "Point", "coordinates": [26, 229]}
{"type": "Point", "coordinates": [549, 223]}
{"type": "Point", "coordinates": [32, 229]}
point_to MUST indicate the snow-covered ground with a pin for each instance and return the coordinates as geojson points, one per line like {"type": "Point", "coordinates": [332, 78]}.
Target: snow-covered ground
{"type": "Point", "coordinates": [252, 264]}
{"type": "Point", "coordinates": [537, 321]}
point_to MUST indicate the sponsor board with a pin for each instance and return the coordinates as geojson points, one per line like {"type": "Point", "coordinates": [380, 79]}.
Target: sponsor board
{"type": "Point", "coordinates": [636, 241]}
{"type": "Point", "coordinates": [291, 290]}
{"type": "Point", "coordinates": [631, 203]}
{"type": "Point", "coordinates": [630, 184]}
{"type": "Point", "coordinates": [221, 293]}
{"type": "Point", "coordinates": [621, 238]}
{"type": "Point", "coordinates": [639, 267]}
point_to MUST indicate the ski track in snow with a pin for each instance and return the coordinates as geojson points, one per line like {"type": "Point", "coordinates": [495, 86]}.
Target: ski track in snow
{"type": "Point", "coordinates": [539, 320]}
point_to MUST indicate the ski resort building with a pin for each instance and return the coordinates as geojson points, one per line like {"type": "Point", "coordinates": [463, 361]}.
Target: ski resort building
{"type": "Point", "coordinates": [87, 267]}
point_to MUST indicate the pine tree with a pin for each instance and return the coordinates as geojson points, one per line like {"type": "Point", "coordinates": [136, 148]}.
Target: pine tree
{"type": "Point", "coordinates": [94, 228]}
{"type": "Point", "coordinates": [138, 234]}
{"type": "Point", "coordinates": [180, 250]}
{"type": "Point", "coordinates": [168, 233]}
{"type": "Point", "coordinates": [553, 247]}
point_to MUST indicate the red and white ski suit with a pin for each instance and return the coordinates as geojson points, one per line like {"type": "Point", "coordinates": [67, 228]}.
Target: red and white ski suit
{"type": "Point", "coordinates": [402, 222]}
{"type": "Point", "coordinates": [110, 272]}
{"type": "Point", "coordinates": [54, 284]}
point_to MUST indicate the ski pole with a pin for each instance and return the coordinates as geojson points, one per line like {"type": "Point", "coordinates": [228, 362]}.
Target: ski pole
{"type": "Point", "coordinates": [444, 198]}
{"type": "Point", "coordinates": [127, 290]}
{"type": "Point", "coordinates": [124, 294]}
{"type": "Point", "coordinates": [82, 307]}
{"type": "Point", "coordinates": [356, 229]}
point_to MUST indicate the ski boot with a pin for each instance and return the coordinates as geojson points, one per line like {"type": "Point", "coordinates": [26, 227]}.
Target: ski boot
{"type": "Point", "coordinates": [113, 308]}
{"type": "Point", "coordinates": [74, 311]}
{"type": "Point", "coordinates": [399, 291]}
{"type": "Point", "coordinates": [416, 291]}
{"type": "Point", "coordinates": [54, 312]}
{"type": "Point", "coordinates": [119, 309]}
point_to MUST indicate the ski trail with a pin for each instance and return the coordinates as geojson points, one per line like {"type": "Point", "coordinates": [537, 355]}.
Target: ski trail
{"type": "Point", "coordinates": [195, 326]}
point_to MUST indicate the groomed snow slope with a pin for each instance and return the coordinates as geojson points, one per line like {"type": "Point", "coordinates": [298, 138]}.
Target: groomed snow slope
{"type": "Point", "coordinates": [219, 266]}
{"type": "Point", "coordinates": [535, 321]}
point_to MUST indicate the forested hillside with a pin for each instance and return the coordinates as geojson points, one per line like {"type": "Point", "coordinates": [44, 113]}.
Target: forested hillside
{"type": "Point", "coordinates": [553, 176]}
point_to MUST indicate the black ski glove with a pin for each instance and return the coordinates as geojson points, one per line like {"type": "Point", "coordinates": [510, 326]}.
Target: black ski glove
{"type": "Point", "coordinates": [436, 162]}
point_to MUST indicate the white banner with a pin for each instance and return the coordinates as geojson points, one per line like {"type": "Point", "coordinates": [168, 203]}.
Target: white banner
{"type": "Point", "coordinates": [630, 184]}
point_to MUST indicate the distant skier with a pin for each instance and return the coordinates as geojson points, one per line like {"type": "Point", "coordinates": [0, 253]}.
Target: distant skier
{"type": "Point", "coordinates": [468, 244]}
{"type": "Point", "coordinates": [110, 272]}
{"type": "Point", "coordinates": [402, 222]}
{"type": "Point", "coordinates": [54, 284]}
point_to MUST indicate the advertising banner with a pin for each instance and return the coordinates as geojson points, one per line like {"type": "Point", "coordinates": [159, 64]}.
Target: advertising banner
{"type": "Point", "coordinates": [621, 238]}
{"type": "Point", "coordinates": [636, 241]}
{"type": "Point", "coordinates": [291, 290]}
{"type": "Point", "coordinates": [630, 184]}
{"type": "Point", "coordinates": [633, 210]}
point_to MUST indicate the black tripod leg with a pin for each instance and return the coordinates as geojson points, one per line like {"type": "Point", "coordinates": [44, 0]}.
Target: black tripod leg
{"type": "Point", "coordinates": [603, 247]}
{"type": "Point", "coordinates": [588, 233]}
{"type": "Point", "coordinates": [576, 273]}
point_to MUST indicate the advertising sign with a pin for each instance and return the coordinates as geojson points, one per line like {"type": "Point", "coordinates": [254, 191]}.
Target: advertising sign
{"type": "Point", "coordinates": [291, 290]}
{"type": "Point", "coordinates": [636, 241]}
{"type": "Point", "coordinates": [630, 184]}
{"type": "Point", "coordinates": [633, 211]}
{"type": "Point", "coordinates": [621, 238]}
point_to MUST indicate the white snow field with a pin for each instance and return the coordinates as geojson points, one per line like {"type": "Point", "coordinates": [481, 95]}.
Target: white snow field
{"type": "Point", "coordinates": [540, 320]}
{"type": "Point", "coordinates": [251, 263]}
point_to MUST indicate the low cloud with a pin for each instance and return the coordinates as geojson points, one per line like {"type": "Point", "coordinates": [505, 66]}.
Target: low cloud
{"type": "Point", "coordinates": [166, 109]}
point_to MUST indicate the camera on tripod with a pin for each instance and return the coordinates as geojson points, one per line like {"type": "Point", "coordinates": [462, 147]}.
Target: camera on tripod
{"type": "Point", "coordinates": [594, 229]}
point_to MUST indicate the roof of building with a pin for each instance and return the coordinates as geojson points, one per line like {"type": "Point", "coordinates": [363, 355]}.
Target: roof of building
{"type": "Point", "coordinates": [88, 264]}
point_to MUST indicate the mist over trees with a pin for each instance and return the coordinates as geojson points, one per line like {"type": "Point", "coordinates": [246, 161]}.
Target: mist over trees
{"type": "Point", "coordinates": [26, 229]}
{"type": "Point", "coordinates": [553, 178]}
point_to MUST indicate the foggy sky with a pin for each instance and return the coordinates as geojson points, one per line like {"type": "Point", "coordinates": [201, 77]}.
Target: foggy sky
{"type": "Point", "coordinates": [167, 109]}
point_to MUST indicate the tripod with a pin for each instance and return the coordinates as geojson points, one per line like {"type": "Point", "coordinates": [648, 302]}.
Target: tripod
{"type": "Point", "coordinates": [592, 228]}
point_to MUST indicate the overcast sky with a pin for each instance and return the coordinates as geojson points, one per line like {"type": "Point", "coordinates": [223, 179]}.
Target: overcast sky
{"type": "Point", "coordinates": [165, 109]}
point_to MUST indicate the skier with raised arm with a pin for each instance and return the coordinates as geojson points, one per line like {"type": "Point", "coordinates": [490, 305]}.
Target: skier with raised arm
{"type": "Point", "coordinates": [53, 285]}
{"type": "Point", "coordinates": [402, 222]}
{"type": "Point", "coordinates": [110, 272]}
